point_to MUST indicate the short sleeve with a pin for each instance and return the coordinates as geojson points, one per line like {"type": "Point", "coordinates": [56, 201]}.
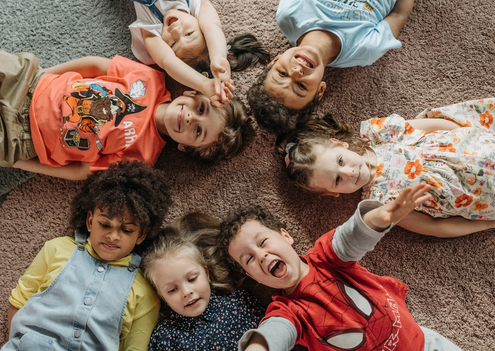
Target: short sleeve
{"type": "Point", "coordinates": [389, 130]}
{"type": "Point", "coordinates": [145, 20]}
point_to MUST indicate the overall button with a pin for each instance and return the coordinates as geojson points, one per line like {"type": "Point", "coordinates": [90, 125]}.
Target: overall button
{"type": "Point", "coordinates": [101, 269]}
{"type": "Point", "coordinates": [77, 333]}
{"type": "Point", "coordinates": [87, 301]}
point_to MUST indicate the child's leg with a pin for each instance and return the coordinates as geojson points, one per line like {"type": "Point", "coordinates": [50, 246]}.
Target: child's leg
{"type": "Point", "coordinates": [19, 76]}
{"type": "Point", "coordinates": [436, 342]}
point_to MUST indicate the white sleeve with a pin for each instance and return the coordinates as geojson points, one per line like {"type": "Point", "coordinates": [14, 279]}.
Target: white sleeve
{"type": "Point", "coordinates": [354, 238]}
{"type": "Point", "coordinates": [145, 20]}
{"type": "Point", "coordinates": [278, 332]}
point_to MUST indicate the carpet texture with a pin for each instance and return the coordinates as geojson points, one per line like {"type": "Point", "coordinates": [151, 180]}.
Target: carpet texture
{"type": "Point", "coordinates": [446, 57]}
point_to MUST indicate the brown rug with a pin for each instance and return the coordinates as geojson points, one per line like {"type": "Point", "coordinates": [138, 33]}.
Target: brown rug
{"type": "Point", "coordinates": [447, 57]}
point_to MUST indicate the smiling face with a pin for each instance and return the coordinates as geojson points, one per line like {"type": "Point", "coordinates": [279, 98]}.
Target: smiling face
{"type": "Point", "coordinates": [183, 283]}
{"type": "Point", "coordinates": [113, 238]}
{"type": "Point", "coordinates": [267, 256]}
{"type": "Point", "coordinates": [182, 33]}
{"type": "Point", "coordinates": [339, 170]}
{"type": "Point", "coordinates": [193, 121]}
{"type": "Point", "coordinates": [295, 77]}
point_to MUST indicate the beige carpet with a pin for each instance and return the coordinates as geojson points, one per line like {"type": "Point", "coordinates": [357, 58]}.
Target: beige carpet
{"type": "Point", "coordinates": [447, 57]}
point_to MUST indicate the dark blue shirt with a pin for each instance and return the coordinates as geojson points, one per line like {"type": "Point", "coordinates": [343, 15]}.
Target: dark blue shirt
{"type": "Point", "coordinates": [219, 327]}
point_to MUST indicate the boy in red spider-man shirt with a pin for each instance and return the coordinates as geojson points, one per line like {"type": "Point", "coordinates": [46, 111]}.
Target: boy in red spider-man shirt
{"type": "Point", "coordinates": [327, 301]}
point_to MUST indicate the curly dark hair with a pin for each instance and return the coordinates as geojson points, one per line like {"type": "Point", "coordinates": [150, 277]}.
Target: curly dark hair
{"type": "Point", "coordinates": [316, 131]}
{"type": "Point", "coordinates": [231, 226]}
{"type": "Point", "coordinates": [132, 186]}
{"type": "Point", "coordinates": [236, 133]}
{"type": "Point", "coordinates": [270, 113]}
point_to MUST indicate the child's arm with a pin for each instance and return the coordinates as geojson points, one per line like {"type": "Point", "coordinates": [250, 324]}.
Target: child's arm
{"type": "Point", "coordinates": [452, 227]}
{"type": "Point", "coordinates": [382, 217]}
{"type": "Point", "coordinates": [210, 25]}
{"type": "Point", "coordinates": [10, 314]}
{"type": "Point", "coordinates": [73, 171]}
{"type": "Point", "coordinates": [274, 334]}
{"type": "Point", "coordinates": [432, 125]}
{"type": "Point", "coordinates": [178, 70]}
{"type": "Point", "coordinates": [397, 18]}
{"type": "Point", "coordinates": [88, 67]}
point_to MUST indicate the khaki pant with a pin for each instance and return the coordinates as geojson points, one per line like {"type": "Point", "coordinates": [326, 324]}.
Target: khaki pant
{"type": "Point", "coordinates": [19, 76]}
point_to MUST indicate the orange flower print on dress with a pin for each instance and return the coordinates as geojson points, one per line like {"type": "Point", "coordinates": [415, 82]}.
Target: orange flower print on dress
{"type": "Point", "coordinates": [486, 119]}
{"type": "Point", "coordinates": [408, 129]}
{"type": "Point", "coordinates": [435, 183]}
{"type": "Point", "coordinates": [433, 114]}
{"type": "Point", "coordinates": [378, 122]}
{"type": "Point", "coordinates": [470, 179]}
{"type": "Point", "coordinates": [463, 201]}
{"type": "Point", "coordinates": [446, 148]}
{"type": "Point", "coordinates": [479, 206]}
{"type": "Point", "coordinates": [413, 169]}
{"type": "Point", "coordinates": [466, 152]}
{"type": "Point", "coordinates": [477, 192]}
{"type": "Point", "coordinates": [490, 105]}
{"type": "Point", "coordinates": [379, 170]}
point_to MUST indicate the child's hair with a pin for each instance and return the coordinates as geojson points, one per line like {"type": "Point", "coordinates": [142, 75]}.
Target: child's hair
{"type": "Point", "coordinates": [234, 135]}
{"type": "Point", "coordinates": [195, 234]}
{"type": "Point", "coordinates": [299, 145]}
{"type": "Point", "coordinates": [131, 186]}
{"type": "Point", "coordinates": [243, 50]}
{"type": "Point", "coordinates": [235, 220]}
{"type": "Point", "coordinates": [270, 113]}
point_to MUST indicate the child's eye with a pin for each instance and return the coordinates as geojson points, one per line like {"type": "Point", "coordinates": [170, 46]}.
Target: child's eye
{"type": "Point", "coordinates": [192, 279]}
{"type": "Point", "coordinates": [104, 225]}
{"type": "Point", "coordinates": [198, 131]}
{"type": "Point", "coordinates": [337, 180]}
{"type": "Point", "coordinates": [172, 290]}
{"type": "Point", "coordinates": [201, 109]}
{"type": "Point", "coordinates": [249, 260]}
{"type": "Point", "coordinates": [301, 86]}
{"type": "Point", "coordinates": [282, 73]}
{"type": "Point", "coordinates": [341, 161]}
{"type": "Point", "coordinates": [188, 34]}
{"type": "Point", "coordinates": [172, 44]}
{"type": "Point", "coordinates": [263, 242]}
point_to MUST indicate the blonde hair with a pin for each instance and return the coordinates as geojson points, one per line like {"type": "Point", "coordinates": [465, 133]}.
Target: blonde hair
{"type": "Point", "coordinates": [299, 146]}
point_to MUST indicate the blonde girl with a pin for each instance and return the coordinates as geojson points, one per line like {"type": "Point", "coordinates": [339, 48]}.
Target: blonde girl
{"type": "Point", "coordinates": [451, 148]}
{"type": "Point", "coordinates": [202, 308]}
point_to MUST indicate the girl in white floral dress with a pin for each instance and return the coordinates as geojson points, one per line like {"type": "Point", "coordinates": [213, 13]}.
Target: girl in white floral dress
{"type": "Point", "coordinates": [452, 148]}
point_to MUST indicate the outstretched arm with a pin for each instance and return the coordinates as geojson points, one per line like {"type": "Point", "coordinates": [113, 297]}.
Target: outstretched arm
{"type": "Point", "coordinates": [380, 218]}
{"type": "Point", "coordinates": [10, 314]}
{"type": "Point", "coordinates": [73, 171]}
{"type": "Point", "coordinates": [397, 18]}
{"type": "Point", "coordinates": [432, 125]}
{"type": "Point", "coordinates": [88, 67]}
{"type": "Point", "coordinates": [452, 227]}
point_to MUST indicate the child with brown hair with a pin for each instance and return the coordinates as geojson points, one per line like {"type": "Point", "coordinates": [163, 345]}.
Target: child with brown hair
{"type": "Point", "coordinates": [87, 292]}
{"type": "Point", "coordinates": [451, 148]}
{"type": "Point", "coordinates": [202, 308]}
{"type": "Point", "coordinates": [80, 116]}
{"type": "Point", "coordinates": [326, 300]}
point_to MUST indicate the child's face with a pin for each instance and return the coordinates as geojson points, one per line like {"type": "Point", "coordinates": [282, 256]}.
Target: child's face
{"type": "Point", "coordinates": [183, 284]}
{"type": "Point", "coordinates": [267, 256]}
{"type": "Point", "coordinates": [182, 33]}
{"type": "Point", "coordinates": [295, 77]}
{"type": "Point", "coordinates": [339, 170]}
{"type": "Point", "coordinates": [113, 238]}
{"type": "Point", "coordinates": [193, 121]}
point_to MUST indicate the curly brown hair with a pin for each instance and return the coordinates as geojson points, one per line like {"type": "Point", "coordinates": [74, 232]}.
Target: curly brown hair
{"type": "Point", "coordinates": [233, 223]}
{"type": "Point", "coordinates": [235, 134]}
{"type": "Point", "coordinates": [299, 146]}
{"type": "Point", "coordinates": [131, 186]}
{"type": "Point", "coordinates": [270, 113]}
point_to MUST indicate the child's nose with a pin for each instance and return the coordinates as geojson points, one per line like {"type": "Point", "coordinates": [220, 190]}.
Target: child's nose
{"type": "Point", "coordinates": [113, 235]}
{"type": "Point", "coordinates": [296, 70]}
{"type": "Point", "coordinates": [187, 291]}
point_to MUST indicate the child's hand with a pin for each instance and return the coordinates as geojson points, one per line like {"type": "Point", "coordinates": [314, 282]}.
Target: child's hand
{"type": "Point", "coordinates": [216, 100]}
{"type": "Point", "coordinates": [220, 68]}
{"type": "Point", "coordinates": [393, 212]}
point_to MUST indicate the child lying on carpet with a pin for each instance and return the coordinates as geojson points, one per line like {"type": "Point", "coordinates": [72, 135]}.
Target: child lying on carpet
{"type": "Point", "coordinates": [452, 150]}
{"type": "Point", "coordinates": [202, 311]}
{"type": "Point", "coordinates": [331, 33]}
{"type": "Point", "coordinates": [326, 300]}
{"type": "Point", "coordinates": [87, 293]}
{"type": "Point", "coordinates": [183, 33]}
{"type": "Point", "coordinates": [80, 116]}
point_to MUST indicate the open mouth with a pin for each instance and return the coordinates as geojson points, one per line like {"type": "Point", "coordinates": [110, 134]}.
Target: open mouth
{"type": "Point", "coordinates": [359, 175]}
{"type": "Point", "coordinates": [171, 20]}
{"type": "Point", "coordinates": [192, 302]}
{"type": "Point", "coordinates": [179, 118]}
{"type": "Point", "coordinates": [304, 60]}
{"type": "Point", "coordinates": [278, 268]}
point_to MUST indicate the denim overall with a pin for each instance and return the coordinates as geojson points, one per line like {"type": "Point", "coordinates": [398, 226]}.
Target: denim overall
{"type": "Point", "coordinates": [82, 309]}
{"type": "Point", "coordinates": [150, 4]}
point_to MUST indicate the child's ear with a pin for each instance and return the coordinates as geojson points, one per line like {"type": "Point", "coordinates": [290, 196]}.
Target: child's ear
{"type": "Point", "coordinates": [330, 193]}
{"type": "Point", "coordinates": [141, 238]}
{"type": "Point", "coordinates": [321, 89]}
{"type": "Point", "coordinates": [189, 93]}
{"type": "Point", "coordinates": [89, 221]}
{"type": "Point", "coordinates": [274, 60]}
{"type": "Point", "coordinates": [181, 147]}
{"type": "Point", "coordinates": [287, 236]}
{"type": "Point", "coordinates": [340, 143]}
